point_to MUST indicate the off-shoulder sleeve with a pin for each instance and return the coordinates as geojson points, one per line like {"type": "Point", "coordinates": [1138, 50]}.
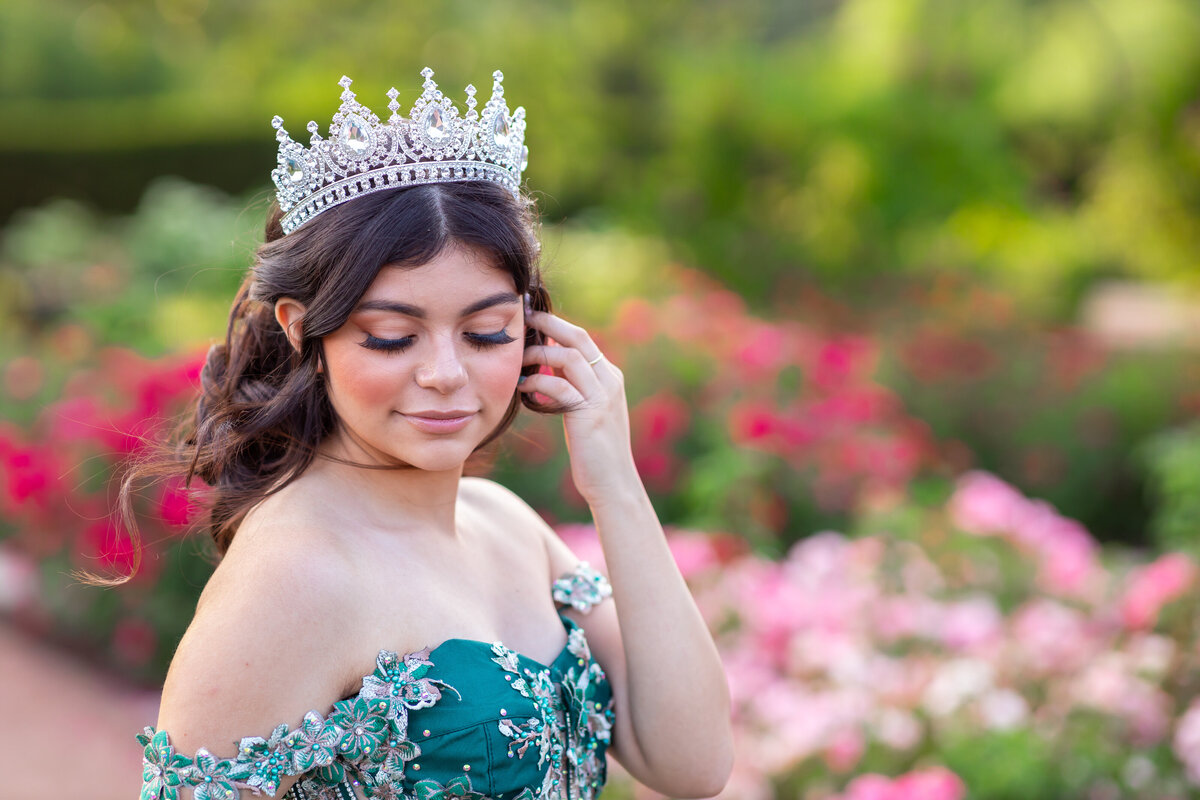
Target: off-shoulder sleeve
{"type": "Point", "coordinates": [582, 588]}
{"type": "Point", "coordinates": [364, 738]}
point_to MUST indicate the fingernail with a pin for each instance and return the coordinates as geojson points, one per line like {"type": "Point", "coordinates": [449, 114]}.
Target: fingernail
{"type": "Point", "coordinates": [528, 305]}
{"type": "Point", "coordinates": [521, 379]}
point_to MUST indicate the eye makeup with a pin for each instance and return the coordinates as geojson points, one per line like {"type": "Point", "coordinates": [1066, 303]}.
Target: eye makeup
{"type": "Point", "coordinates": [480, 341]}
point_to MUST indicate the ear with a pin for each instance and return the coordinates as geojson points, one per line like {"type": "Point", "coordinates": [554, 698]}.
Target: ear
{"type": "Point", "coordinates": [289, 313]}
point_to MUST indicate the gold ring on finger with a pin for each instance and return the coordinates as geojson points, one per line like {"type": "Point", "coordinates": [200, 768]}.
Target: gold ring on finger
{"type": "Point", "coordinates": [596, 360]}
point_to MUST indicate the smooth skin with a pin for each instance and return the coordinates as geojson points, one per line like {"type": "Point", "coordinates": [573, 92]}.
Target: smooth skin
{"type": "Point", "coordinates": [346, 561]}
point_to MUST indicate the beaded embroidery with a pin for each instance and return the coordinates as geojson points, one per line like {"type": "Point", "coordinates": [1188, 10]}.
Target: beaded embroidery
{"type": "Point", "coordinates": [363, 743]}
{"type": "Point", "coordinates": [582, 588]}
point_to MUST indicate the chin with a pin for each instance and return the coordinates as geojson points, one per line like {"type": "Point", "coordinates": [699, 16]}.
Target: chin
{"type": "Point", "coordinates": [438, 456]}
{"type": "Point", "coordinates": [436, 462]}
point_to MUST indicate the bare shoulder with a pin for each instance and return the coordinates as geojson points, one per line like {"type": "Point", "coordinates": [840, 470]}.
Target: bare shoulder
{"type": "Point", "coordinates": [496, 499]}
{"type": "Point", "coordinates": [262, 647]}
{"type": "Point", "coordinates": [519, 516]}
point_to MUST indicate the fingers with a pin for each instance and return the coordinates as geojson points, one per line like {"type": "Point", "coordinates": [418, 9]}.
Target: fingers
{"type": "Point", "coordinates": [559, 390]}
{"type": "Point", "coordinates": [567, 360]}
{"type": "Point", "coordinates": [564, 333]}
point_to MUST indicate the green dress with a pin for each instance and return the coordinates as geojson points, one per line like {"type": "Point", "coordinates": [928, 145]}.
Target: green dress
{"type": "Point", "coordinates": [466, 720]}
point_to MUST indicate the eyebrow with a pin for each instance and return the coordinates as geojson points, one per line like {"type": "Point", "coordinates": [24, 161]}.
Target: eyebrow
{"type": "Point", "coordinates": [500, 298]}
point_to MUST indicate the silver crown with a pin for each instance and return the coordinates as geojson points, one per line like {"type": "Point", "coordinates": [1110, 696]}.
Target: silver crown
{"type": "Point", "coordinates": [434, 144]}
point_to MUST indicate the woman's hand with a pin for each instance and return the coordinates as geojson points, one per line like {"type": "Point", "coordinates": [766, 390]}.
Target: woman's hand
{"type": "Point", "coordinates": [593, 388]}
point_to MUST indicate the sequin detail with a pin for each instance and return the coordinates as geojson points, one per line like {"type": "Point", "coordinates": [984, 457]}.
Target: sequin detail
{"type": "Point", "coordinates": [582, 588]}
{"type": "Point", "coordinates": [362, 746]}
{"type": "Point", "coordinates": [571, 731]}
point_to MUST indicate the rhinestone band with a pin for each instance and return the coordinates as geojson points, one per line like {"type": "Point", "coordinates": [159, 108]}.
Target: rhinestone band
{"type": "Point", "coordinates": [434, 144]}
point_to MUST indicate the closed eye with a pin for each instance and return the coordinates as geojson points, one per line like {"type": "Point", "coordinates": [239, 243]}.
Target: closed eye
{"type": "Point", "coordinates": [388, 345]}
{"type": "Point", "coordinates": [480, 341]}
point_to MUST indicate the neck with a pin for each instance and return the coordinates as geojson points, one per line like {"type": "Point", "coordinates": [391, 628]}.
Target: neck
{"type": "Point", "coordinates": [394, 499]}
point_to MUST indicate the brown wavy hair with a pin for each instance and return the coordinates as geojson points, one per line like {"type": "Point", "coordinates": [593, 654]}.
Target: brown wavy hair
{"type": "Point", "coordinates": [263, 407]}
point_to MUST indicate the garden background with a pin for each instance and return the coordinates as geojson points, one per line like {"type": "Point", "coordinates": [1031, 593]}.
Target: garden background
{"type": "Point", "coordinates": [906, 294]}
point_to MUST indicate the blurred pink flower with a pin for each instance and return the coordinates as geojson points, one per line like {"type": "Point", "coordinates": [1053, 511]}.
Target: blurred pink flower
{"type": "Point", "coordinates": [844, 750]}
{"type": "Point", "coordinates": [765, 350]}
{"type": "Point", "coordinates": [840, 360]}
{"type": "Point", "coordinates": [1051, 637]}
{"type": "Point", "coordinates": [693, 552]}
{"type": "Point", "coordinates": [984, 504]}
{"type": "Point", "coordinates": [969, 623]}
{"type": "Point", "coordinates": [1153, 586]}
{"type": "Point", "coordinates": [752, 423]}
{"type": "Point", "coordinates": [659, 419]}
{"type": "Point", "coordinates": [584, 542]}
{"type": "Point", "coordinates": [868, 787]}
{"type": "Point", "coordinates": [934, 783]}
{"type": "Point", "coordinates": [1186, 742]}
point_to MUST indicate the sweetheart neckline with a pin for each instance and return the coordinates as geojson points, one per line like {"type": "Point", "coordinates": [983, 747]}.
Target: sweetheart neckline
{"type": "Point", "coordinates": [568, 625]}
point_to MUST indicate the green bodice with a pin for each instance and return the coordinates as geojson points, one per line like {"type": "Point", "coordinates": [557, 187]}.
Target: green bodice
{"type": "Point", "coordinates": [466, 720]}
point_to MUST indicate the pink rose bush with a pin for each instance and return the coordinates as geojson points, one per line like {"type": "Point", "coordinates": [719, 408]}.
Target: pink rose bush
{"type": "Point", "coordinates": [975, 642]}
{"type": "Point", "coordinates": [852, 659]}
{"type": "Point", "coordinates": [772, 428]}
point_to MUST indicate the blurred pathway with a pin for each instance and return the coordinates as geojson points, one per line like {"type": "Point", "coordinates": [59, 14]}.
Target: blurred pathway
{"type": "Point", "coordinates": [70, 731]}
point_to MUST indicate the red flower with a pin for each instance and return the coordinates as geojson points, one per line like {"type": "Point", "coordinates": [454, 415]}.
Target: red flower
{"type": "Point", "coordinates": [659, 419]}
{"type": "Point", "coordinates": [104, 542]}
{"type": "Point", "coordinates": [175, 506]}
{"type": "Point", "coordinates": [752, 424]}
{"type": "Point", "coordinates": [840, 360]}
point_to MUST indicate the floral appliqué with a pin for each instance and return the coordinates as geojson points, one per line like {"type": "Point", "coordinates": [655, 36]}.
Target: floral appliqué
{"type": "Point", "coordinates": [582, 588]}
{"type": "Point", "coordinates": [573, 727]}
{"type": "Point", "coordinates": [364, 740]}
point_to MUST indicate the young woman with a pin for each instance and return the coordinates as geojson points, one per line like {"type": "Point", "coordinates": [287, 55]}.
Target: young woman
{"type": "Point", "coordinates": [380, 625]}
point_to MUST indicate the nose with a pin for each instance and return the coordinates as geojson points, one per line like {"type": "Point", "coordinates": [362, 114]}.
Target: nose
{"type": "Point", "coordinates": [442, 369]}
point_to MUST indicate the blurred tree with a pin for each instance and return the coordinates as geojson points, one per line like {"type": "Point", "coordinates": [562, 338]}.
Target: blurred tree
{"type": "Point", "coordinates": [1043, 143]}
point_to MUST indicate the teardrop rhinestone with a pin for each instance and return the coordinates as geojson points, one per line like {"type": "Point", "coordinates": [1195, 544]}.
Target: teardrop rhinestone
{"type": "Point", "coordinates": [524, 158]}
{"type": "Point", "coordinates": [295, 169]}
{"type": "Point", "coordinates": [435, 124]}
{"type": "Point", "coordinates": [500, 130]}
{"type": "Point", "coordinates": [354, 134]}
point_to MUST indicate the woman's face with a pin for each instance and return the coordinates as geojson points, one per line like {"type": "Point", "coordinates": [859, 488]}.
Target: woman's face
{"type": "Point", "coordinates": [427, 363]}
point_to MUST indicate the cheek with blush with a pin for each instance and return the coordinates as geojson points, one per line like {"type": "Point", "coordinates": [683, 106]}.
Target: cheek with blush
{"type": "Point", "coordinates": [497, 378]}
{"type": "Point", "coordinates": [360, 379]}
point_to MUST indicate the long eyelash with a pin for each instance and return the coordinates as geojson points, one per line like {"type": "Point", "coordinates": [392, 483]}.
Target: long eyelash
{"type": "Point", "coordinates": [481, 341]}
{"type": "Point", "coordinates": [387, 345]}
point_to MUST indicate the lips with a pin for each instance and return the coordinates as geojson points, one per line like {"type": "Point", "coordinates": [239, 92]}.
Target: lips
{"type": "Point", "coordinates": [451, 414]}
{"type": "Point", "coordinates": [440, 421]}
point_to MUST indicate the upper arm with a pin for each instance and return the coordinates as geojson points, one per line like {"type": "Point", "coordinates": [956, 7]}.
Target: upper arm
{"type": "Point", "coordinates": [259, 653]}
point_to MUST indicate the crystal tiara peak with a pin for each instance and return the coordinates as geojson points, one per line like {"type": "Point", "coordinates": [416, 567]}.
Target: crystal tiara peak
{"type": "Point", "coordinates": [434, 144]}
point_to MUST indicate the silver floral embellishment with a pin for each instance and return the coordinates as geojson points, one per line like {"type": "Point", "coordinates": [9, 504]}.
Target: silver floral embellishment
{"type": "Point", "coordinates": [314, 743]}
{"type": "Point", "coordinates": [402, 682]}
{"type": "Point", "coordinates": [270, 759]}
{"type": "Point", "coordinates": [212, 777]}
{"type": "Point", "coordinates": [582, 588]}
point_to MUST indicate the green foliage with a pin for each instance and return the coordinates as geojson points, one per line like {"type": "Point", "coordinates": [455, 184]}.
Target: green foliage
{"type": "Point", "coordinates": [1044, 144]}
{"type": "Point", "coordinates": [1173, 464]}
{"type": "Point", "coordinates": [158, 280]}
